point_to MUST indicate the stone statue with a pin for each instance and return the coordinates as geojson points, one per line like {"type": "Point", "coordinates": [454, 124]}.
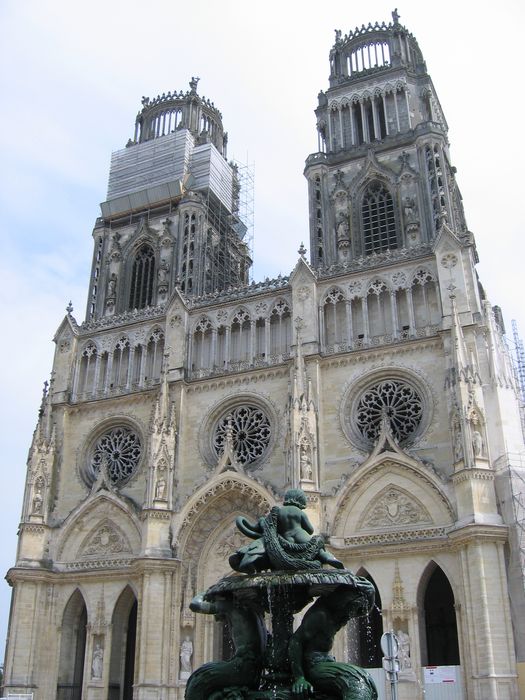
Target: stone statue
{"type": "Point", "coordinates": [186, 652]}
{"type": "Point", "coordinates": [163, 272]}
{"type": "Point", "coordinates": [245, 667]}
{"type": "Point", "coordinates": [284, 540]}
{"type": "Point", "coordinates": [409, 210]}
{"type": "Point", "coordinates": [305, 466]}
{"type": "Point", "coordinates": [313, 667]}
{"type": "Point", "coordinates": [97, 662]}
{"type": "Point", "coordinates": [112, 285]}
{"type": "Point", "coordinates": [343, 230]}
{"type": "Point", "coordinates": [477, 443]}
{"type": "Point", "coordinates": [160, 489]}
{"type": "Point", "coordinates": [405, 662]}
{"type": "Point", "coordinates": [38, 503]}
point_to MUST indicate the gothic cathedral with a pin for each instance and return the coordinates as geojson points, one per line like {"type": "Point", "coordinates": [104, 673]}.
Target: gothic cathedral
{"type": "Point", "coordinates": [375, 377]}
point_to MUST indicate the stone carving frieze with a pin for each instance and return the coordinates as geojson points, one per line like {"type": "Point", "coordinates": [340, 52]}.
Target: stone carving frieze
{"type": "Point", "coordinates": [394, 508]}
{"type": "Point", "coordinates": [107, 540]}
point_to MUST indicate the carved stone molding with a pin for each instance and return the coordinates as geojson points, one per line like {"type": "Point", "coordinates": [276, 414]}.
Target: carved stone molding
{"type": "Point", "coordinates": [394, 507]}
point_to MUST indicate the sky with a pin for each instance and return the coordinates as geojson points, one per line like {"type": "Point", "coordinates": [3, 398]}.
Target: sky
{"type": "Point", "coordinates": [72, 75]}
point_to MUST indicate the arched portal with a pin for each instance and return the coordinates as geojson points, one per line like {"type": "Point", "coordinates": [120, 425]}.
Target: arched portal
{"type": "Point", "coordinates": [72, 649]}
{"type": "Point", "coordinates": [123, 642]}
{"type": "Point", "coordinates": [364, 633]}
{"type": "Point", "coordinates": [439, 643]}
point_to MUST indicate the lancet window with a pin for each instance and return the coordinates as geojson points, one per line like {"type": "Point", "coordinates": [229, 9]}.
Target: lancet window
{"type": "Point", "coordinates": [436, 184]}
{"type": "Point", "coordinates": [88, 363]}
{"type": "Point", "coordinates": [280, 329]}
{"type": "Point", "coordinates": [378, 219]}
{"type": "Point", "coordinates": [142, 278]}
{"type": "Point", "coordinates": [335, 319]}
{"type": "Point", "coordinates": [154, 355]}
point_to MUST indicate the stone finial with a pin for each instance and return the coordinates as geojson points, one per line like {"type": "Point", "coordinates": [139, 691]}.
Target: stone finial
{"type": "Point", "coordinates": [302, 250]}
{"type": "Point", "coordinates": [69, 308]}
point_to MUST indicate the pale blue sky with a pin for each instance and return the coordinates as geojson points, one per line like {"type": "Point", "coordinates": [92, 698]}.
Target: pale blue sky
{"type": "Point", "coordinates": [72, 78]}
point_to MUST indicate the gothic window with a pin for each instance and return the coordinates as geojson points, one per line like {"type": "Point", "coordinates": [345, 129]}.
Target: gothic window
{"type": "Point", "coordinates": [378, 219]}
{"type": "Point", "coordinates": [250, 431]}
{"type": "Point", "coordinates": [380, 320]}
{"type": "Point", "coordinates": [88, 363]}
{"type": "Point", "coordinates": [142, 278]}
{"type": "Point", "coordinates": [154, 355]}
{"type": "Point", "coordinates": [280, 328]}
{"type": "Point", "coordinates": [117, 451]}
{"type": "Point", "coordinates": [335, 321]}
{"type": "Point", "coordinates": [425, 299]}
{"type": "Point", "coordinates": [394, 398]}
{"type": "Point", "coordinates": [202, 345]}
{"type": "Point", "coordinates": [436, 184]}
{"type": "Point", "coordinates": [240, 337]}
{"type": "Point", "coordinates": [120, 365]}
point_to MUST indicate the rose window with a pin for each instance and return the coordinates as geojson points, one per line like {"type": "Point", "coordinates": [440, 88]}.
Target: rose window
{"type": "Point", "coordinates": [250, 432]}
{"type": "Point", "coordinates": [398, 401]}
{"type": "Point", "coordinates": [120, 450]}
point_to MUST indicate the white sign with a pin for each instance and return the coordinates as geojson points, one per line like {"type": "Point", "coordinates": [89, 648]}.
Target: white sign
{"type": "Point", "coordinates": [440, 674]}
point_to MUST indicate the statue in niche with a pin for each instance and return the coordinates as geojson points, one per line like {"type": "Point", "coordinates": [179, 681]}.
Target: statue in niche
{"type": "Point", "coordinates": [343, 230]}
{"type": "Point", "coordinates": [405, 661]}
{"type": "Point", "coordinates": [313, 667]}
{"type": "Point", "coordinates": [163, 272]}
{"type": "Point", "coordinates": [186, 652]}
{"type": "Point", "coordinates": [244, 669]}
{"type": "Point", "coordinates": [283, 540]}
{"type": "Point", "coordinates": [161, 483]}
{"type": "Point", "coordinates": [456, 442]}
{"type": "Point", "coordinates": [410, 210]}
{"type": "Point", "coordinates": [477, 443]}
{"type": "Point", "coordinates": [38, 499]}
{"type": "Point", "coordinates": [112, 286]}
{"type": "Point", "coordinates": [97, 661]}
{"type": "Point", "coordinates": [305, 463]}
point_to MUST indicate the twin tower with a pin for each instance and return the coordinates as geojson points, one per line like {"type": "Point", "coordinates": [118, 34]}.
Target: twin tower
{"type": "Point", "coordinates": [375, 377]}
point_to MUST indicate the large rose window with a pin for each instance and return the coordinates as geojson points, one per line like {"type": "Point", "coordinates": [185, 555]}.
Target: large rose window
{"type": "Point", "coordinates": [118, 451]}
{"type": "Point", "coordinates": [396, 399]}
{"type": "Point", "coordinates": [250, 431]}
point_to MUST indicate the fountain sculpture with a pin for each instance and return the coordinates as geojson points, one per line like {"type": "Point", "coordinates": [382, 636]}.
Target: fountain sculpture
{"type": "Point", "coordinates": [280, 572]}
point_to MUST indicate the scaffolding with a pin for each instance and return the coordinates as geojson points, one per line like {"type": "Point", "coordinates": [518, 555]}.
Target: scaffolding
{"type": "Point", "coordinates": [519, 360]}
{"type": "Point", "coordinates": [246, 175]}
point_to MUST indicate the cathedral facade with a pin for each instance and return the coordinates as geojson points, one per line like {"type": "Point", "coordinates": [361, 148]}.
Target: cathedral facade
{"type": "Point", "coordinates": [375, 377]}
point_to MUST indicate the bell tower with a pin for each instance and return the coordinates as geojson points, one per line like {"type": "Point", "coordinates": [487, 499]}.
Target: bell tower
{"type": "Point", "coordinates": [171, 218]}
{"type": "Point", "coordinates": [382, 179]}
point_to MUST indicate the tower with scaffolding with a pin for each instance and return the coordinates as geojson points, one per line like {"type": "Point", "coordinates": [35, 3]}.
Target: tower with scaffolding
{"type": "Point", "coordinates": [174, 173]}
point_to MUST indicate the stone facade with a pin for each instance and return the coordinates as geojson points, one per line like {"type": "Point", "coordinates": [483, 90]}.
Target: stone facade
{"type": "Point", "coordinates": [375, 376]}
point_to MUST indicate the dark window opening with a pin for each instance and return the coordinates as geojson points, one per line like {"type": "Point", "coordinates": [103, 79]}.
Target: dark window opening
{"type": "Point", "coordinates": [378, 219]}
{"type": "Point", "coordinates": [440, 622]}
{"type": "Point", "coordinates": [142, 278]}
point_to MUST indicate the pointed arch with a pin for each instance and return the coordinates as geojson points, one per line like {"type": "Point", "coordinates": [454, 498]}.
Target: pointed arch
{"type": "Point", "coordinates": [123, 645]}
{"type": "Point", "coordinates": [72, 648]}
{"type": "Point", "coordinates": [142, 276]}
{"type": "Point", "coordinates": [228, 494]}
{"type": "Point", "coordinates": [364, 494]}
{"type": "Point", "coordinates": [97, 510]}
{"type": "Point", "coordinates": [378, 218]}
{"type": "Point", "coordinates": [437, 618]}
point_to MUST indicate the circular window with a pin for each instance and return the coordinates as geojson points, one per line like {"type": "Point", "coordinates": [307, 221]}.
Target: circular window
{"type": "Point", "coordinates": [250, 431]}
{"type": "Point", "coordinates": [118, 451]}
{"type": "Point", "coordinates": [394, 398]}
